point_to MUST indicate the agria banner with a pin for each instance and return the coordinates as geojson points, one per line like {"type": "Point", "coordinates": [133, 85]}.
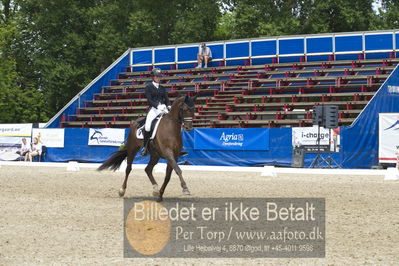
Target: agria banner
{"type": "Point", "coordinates": [242, 139]}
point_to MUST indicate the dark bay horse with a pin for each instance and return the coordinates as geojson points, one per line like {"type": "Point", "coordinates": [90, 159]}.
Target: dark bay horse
{"type": "Point", "coordinates": [167, 144]}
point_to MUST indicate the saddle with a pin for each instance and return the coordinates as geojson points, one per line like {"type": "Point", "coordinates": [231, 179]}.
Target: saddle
{"type": "Point", "coordinates": [154, 126]}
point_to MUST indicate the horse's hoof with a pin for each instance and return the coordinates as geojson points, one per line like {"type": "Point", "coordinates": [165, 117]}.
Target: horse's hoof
{"type": "Point", "coordinates": [159, 199]}
{"type": "Point", "coordinates": [186, 191]}
{"type": "Point", "coordinates": [121, 192]}
{"type": "Point", "coordinates": [155, 191]}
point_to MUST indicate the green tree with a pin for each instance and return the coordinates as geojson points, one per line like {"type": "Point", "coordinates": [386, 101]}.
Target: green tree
{"type": "Point", "coordinates": [388, 15]}
{"type": "Point", "coordinates": [18, 103]}
{"type": "Point", "coordinates": [174, 21]}
{"type": "Point", "coordinates": [196, 22]}
{"type": "Point", "coordinates": [225, 26]}
{"type": "Point", "coordinates": [256, 18]}
{"type": "Point", "coordinates": [51, 49]}
{"type": "Point", "coordinates": [339, 16]}
{"type": "Point", "coordinates": [71, 42]}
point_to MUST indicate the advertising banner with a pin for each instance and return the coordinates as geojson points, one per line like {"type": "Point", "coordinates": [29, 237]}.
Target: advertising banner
{"type": "Point", "coordinates": [388, 137]}
{"type": "Point", "coordinates": [245, 139]}
{"type": "Point", "coordinates": [306, 137]}
{"type": "Point", "coordinates": [50, 137]}
{"type": "Point", "coordinates": [106, 136]}
{"type": "Point", "coordinates": [11, 136]}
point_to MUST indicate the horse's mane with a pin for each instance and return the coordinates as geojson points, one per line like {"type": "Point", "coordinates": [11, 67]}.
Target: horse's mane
{"type": "Point", "coordinates": [177, 102]}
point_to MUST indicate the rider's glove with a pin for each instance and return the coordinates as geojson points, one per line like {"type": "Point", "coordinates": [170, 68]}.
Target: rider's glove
{"type": "Point", "coordinates": [163, 108]}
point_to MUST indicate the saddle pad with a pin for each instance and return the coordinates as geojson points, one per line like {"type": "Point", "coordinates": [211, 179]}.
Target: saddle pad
{"type": "Point", "coordinates": [140, 130]}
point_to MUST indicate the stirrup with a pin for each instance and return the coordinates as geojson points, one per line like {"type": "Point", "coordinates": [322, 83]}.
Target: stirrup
{"type": "Point", "coordinates": [144, 152]}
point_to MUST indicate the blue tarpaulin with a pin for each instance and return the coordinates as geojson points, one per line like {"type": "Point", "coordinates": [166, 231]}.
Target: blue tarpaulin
{"type": "Point", "coordinates": [360, 141]}
{"type": "Point", "coordinates": [278, 153]}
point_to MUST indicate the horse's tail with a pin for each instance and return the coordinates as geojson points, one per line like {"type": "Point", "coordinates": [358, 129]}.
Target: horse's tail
{"type": "Point", "coordinates": [115, 161]}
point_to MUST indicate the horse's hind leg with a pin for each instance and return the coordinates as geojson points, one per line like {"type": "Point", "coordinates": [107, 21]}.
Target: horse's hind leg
{"type": "Point", "coordinates": [173, 164]}
{"type": "Point", "coordinates": [153, 161]}
{"type": "Point", "coordinates": [129, 162]}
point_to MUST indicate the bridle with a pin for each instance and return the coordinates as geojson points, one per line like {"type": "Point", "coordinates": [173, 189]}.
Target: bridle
{"type": "Point", "coordinates": [181, 120]}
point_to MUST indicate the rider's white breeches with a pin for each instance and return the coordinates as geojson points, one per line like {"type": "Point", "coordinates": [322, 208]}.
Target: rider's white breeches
{"type": "Point", "coordinates": [150, 117]}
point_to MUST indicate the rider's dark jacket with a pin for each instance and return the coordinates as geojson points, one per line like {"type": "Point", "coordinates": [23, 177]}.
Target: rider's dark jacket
{"type": "Point", "coordinates": [156, 96]}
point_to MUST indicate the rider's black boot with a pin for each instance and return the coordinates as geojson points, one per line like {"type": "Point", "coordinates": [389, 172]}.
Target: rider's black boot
{"type": "Point", "coordinates": [145, 141]}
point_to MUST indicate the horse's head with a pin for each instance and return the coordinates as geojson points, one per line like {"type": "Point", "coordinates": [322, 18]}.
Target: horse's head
{"type": "Point", "coordinates": [186, 110]}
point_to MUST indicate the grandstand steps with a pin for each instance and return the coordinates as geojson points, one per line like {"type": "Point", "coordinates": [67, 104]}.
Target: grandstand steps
{"type": "Point", "coordinates": [140, 95]}
{"type": "Point", "coordinates": [203, 110]}
{"type": "Point", "coordinates": [209, 109]}
{"type": "Point", "coordinates": [134, 88]}
{"type": "Point", "coordinates": [321, 78]}
{"type": "Point", "coordinates": [127, 102]}
{"type": "Point", "coordinates": [221, 97]}
{"type": "Point", "coordinates": [273, 66]}
{"type": "Point", "coordinates": [97, 124]}
{"type": "Point", "coordinates": [272, 123]}
{"type": "Point", "coordinates": [116, 96]}
{"type": "Point", "coordinates": [242, 82]}
{"type": "Point", "coordinates": [250, 74]}
{"type": "Point", "coordinates": [115, 107]}
{"type": "Point", "coordinates": [244, 78]}
{"type": "Point", "coordinates": [202, 124]}
{"type": "Point", "coordinates": [302, 89]}
{"type": "Point", "coordinates": [220, 100]}
{"type": "Point", "coordinates": [350, 70]}
{"type": "Point", "coordinates": [214, 102]}
{"type": "Point", "coordinates": [237, 83]}
{"type": "Point", "coordinates": [230, 92]}
{"type": "Point", "coordinates": [204, 119]}
{"type": "Point", "coordinates": [283, 114]}
{"type": "Point", "coordinates": [271, 95]}
{"type": "Point", "coordinates": [323, 97]}
{"type": "Point", "coordinates": [290, 106]}
{"type": "Point", "coordinates": [117, 116]}
{"type": "Point", "coordinates": [201, 115]}
{"type": "Point", "coordinates": [168, 76]}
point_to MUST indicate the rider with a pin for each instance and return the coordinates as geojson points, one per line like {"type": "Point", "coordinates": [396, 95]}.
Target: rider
{"type": "Point", "coordinates": [159, 103]}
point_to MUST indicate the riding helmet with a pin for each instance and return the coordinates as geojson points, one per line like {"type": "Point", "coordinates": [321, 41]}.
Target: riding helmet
{"type": "Point", "coordinates": [156, 72]}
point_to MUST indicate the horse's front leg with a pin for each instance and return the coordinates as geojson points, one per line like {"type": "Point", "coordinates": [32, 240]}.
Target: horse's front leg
{"type": "Point", "coordinates": [173, 164]}
{"type": "Point", "coordinates": [169, 170]}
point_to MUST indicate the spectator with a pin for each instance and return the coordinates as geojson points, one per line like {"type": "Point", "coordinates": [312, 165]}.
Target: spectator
{"type": "Point", "coordinates": [25, 148]}
{"type": "Point", "coordinates": [36, 149]}
{"type": "Point", "coordinates": [204, 55]}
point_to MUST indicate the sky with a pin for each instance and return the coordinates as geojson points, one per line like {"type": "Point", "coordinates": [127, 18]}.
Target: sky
{"type": "Point", "coordinates": [376, 5]}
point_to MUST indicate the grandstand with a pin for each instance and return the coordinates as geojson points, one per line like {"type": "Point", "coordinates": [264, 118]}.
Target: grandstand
{"type": "Point", "coordinates": [268, 82]}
